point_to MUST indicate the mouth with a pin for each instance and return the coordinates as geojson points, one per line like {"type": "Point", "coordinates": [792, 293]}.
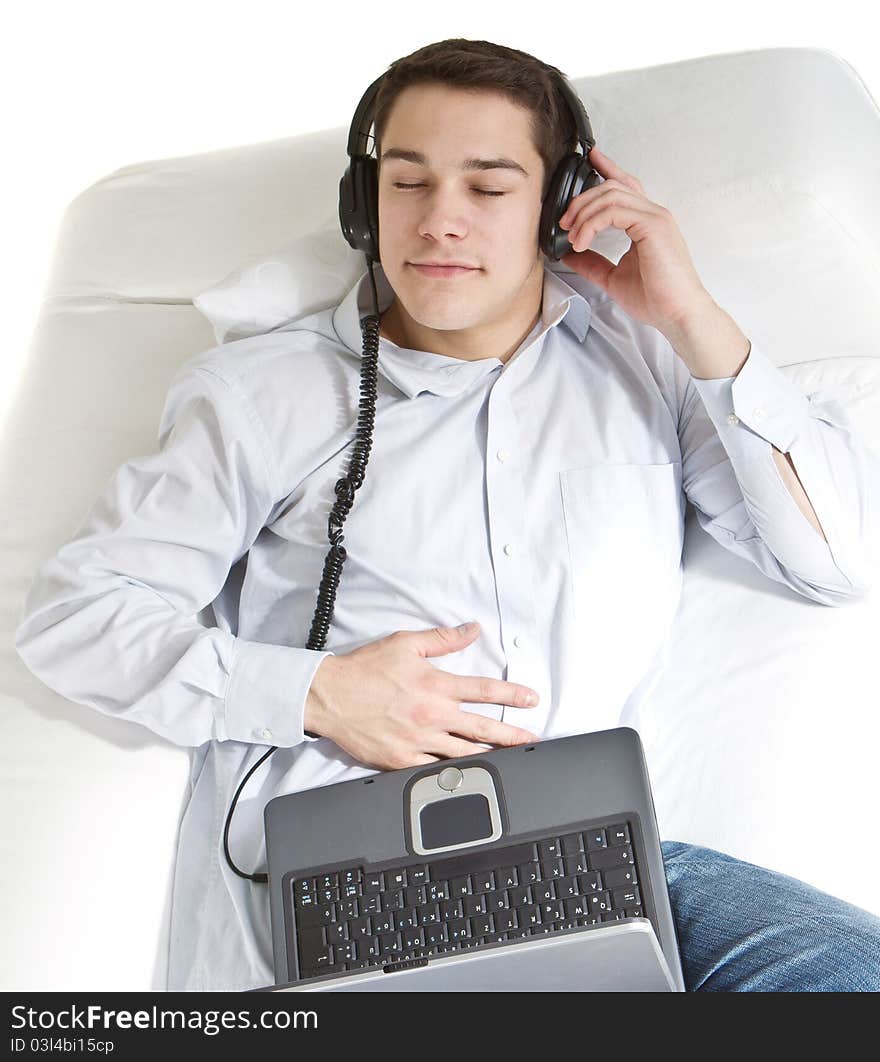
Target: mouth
{"type": "Point", "coordinates": [442, 271]}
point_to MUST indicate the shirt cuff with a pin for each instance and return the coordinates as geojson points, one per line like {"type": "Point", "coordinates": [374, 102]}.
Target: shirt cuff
{"type": "Point", "coordinates": [761, 397]}
{"type": "Point", "coordinates": [267, 691]}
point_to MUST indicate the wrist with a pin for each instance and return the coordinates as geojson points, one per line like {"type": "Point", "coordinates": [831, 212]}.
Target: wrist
{"type": "Point", "coordinates": [317, 710]}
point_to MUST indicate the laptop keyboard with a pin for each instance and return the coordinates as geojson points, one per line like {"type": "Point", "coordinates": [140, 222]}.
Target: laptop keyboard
{"type": "Point", "coordinates": [354, 918]}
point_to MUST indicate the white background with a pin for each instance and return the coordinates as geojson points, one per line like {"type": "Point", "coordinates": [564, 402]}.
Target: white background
{"type": "Point", "coordinates": [94, 85]}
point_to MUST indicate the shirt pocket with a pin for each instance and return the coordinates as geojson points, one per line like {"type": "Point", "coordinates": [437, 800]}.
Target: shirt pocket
{"type": "Point", "coordinates": [624, 524]}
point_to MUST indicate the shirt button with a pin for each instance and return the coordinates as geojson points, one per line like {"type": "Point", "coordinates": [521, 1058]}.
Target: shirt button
{"type": "Point", "coordinates": [509, 548]}
{"type": "Point", "coordinates": [732, 418]}
{"type": "Point", "coordinates": [266, 733]}
{"type": "Point", "coordinates": [759, 414]}
{"type": "Point", "coordinates": [517, 641]}
{"type": "Point", "coordinates": [503, 455]}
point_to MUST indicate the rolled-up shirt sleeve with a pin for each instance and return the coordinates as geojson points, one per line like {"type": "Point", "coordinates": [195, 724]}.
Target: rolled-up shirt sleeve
{"type": "Point", "coordinates": [727, 428]}
{"type": "Point", "coordinates": [110, 620]}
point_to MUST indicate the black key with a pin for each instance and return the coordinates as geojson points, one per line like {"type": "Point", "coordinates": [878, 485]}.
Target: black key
{"type": "Point", "coordinates": [520, 896]}
{"type": "Point", "coordinates": [436, 890]}
{"type": "Point", "coordinates": [336, 967]}
{"type": "Point", "coordinates": [337, 932]}
{"type": "Point", "coordinates": [393, 901]}
{"type": "Point", "coordinates": [450, 909]}
{"type": "Point", "coordinates": [505, 920]}
{"type": "Point", "coordinates": [612, 916]}
{"type": "Point", "coordinates": [497, 901]}
{"type": "Point", "coordinates": [360, 927]}
{"type": "Point", "coordinates": [413, 938]}
{"type": "Point", "coordinates": [313, 948]}
{"type": "Point", "coordinates": [370, 904]}
{"type": "Point", "coordinates": [530, 915]}
{"type": "Point", "coordinates": [575, 864]}
{"type": "Point", "coordinates": [571, 843]}
{"type": "Point", "coordinates": [482, 925]}
{"type": "Point", "coordinates": [368, 948]}
{"type": "Point", "coordinates": [435, 934]}
{"type": "Point", "coordinates": [304, 887]}
{"type": "Point", "coordinates": [552, 868]}
{"type": "Point", "coordinates": [545, 891]}
{"type": "Point", "coordinates": [389, 944]}
{"type": "Point", "coordinates": [347, 892]}
{"type": "Point", "coordinates": [460, 886]}
{"type": "Point", "coordinates": [428, 914]}
{"type": "Point", "coordinates": [350, 877]}
{"type": "Point", "coordinates": [620, 876]}
{"type": "Point", "coordinates": [495, 938]}
{"type": "Point", "coordinates": [611, 857]}
{"type": "Point", "coordinates": [592, 881]}
{"type": "Point", "coordinates": [487, 859]}
{"type": "Point", "coordinates": [316, 916]}
{"type": "Point", "coordinates": [383, 923]}
{"type": "Point", "coordinates": [634, 912]}
{"type": "Point", "coordinates": [406, 918]}
{"type": "Point", "coordinates": [551, 912]}
{"type": "Point", "coordinates": [395, 879]}
{"type": "Point", "coordinates": [599, 902]}
{"type": "Point", "coordinates": [346, 951]}
{"type": "Point", "coordinates": [308, 899]}
{"type": "Point", "coordinates": [528, 873]}
{"type": "Point", "coordinates": [459, 928]}
{"type": "Point", "coordinates": [595, 839]}
{"type": "Point", "coordinates": [576, 907]}
{"type": "Point", "coordinates": [618, 834]}
{"type": "Point", "coordinates": [506, 878]}
{"type": "Point", "coordinates": [373, 883]}
{"type": "Point", "coordinates": [549, 850]}
{"type": "Point", "coordinates": [484, 881]}
{"type": "Point", "coordinates": [473, 905]}
{"type": "Point", "coordinates": [414, 895]}
{"type": "Point", "coordinates": [328, 895]}
{"type": "Point", "coordinates": [417, 875]}
{"type": "Point", "coordinates": [327, 881]}
{"type": "Point", "coordinates": [626, 897]}
{"type": "Point", "coordinates": [567, 887]}
{"type": "Point", "coordinates": [347, 908]}
{"type": "Point", "coordinates": [358, 964]}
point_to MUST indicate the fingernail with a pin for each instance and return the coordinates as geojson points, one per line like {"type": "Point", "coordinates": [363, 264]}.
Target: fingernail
{"type": "Point", "coordinates": [466, 628]}
{"type": "Point", "coordinates": [531, 698]}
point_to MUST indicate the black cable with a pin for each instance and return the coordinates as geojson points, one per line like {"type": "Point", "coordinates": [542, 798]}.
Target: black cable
{"type": "Point", "coordinates": [345, 489]}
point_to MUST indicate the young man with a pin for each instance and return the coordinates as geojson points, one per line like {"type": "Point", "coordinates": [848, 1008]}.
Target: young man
{"type": "Point", "coordinates": [533, 446]}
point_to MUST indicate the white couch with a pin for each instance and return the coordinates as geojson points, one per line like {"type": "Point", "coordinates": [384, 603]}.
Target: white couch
{"type": "Point", "coordinates": [764, 728]}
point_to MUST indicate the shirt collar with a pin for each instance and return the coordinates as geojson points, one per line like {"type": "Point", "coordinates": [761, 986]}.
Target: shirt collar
{"type": "Point", "coordinates": [414, 371]}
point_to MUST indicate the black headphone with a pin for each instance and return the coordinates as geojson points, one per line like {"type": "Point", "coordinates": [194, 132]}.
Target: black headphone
{"type": "Point", "coordinates": [359, 185]}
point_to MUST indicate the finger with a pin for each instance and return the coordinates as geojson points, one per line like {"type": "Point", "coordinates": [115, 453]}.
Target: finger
{"type": "Point", "coordinates": [477, 689]}
{"type": "Point", "coordinates": [490, 731]}
{"type": "Point", "coordinates": [589, 197]}
{"type": "Point", "coordinates": [614, 171]}
{"type": "Point", "coordinates": [637, 224]}
{"type": "Point", "coordinates": [450, 747]}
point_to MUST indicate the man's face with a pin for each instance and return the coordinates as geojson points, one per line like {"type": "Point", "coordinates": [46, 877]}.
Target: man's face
{"type": "Point", "coordinates": [448, 216]}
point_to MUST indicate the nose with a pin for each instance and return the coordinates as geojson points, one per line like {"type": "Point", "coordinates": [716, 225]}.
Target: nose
{"type": "Point", "coordinates": [442, 215]}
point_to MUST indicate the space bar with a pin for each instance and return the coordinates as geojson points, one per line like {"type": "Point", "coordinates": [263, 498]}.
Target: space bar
{"type": "Point", "coordinates": [487, 859]}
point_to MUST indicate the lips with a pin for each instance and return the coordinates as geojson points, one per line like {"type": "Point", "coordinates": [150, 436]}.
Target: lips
{"type": "Point", "coordinates": [442, 271]}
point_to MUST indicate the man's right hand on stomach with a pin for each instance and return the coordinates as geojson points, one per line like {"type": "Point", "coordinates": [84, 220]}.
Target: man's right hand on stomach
{"type": "Point", "coordinates": [389, 707]}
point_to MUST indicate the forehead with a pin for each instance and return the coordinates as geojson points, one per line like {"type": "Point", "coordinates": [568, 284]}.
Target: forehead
{"type": "Point", "coordinates": [469, 125]}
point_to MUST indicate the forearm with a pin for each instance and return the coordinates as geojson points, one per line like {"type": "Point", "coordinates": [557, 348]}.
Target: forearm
{"type": "Point", "coordinates": [713, 346]}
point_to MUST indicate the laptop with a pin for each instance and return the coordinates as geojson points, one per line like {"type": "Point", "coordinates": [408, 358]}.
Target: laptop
{"type": "Point", "coordinates": [528, 868]}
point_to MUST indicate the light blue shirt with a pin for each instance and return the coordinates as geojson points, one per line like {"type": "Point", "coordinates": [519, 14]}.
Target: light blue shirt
{"type": "Point", "coordinates": [544, 497]}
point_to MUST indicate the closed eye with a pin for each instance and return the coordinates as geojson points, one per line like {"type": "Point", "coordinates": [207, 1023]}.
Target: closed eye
{"type": "Point", "coordinates": [479, 191]}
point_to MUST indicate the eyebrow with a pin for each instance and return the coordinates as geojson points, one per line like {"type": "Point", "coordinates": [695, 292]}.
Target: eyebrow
{"type": "Point", "coordinates": [468, 164]}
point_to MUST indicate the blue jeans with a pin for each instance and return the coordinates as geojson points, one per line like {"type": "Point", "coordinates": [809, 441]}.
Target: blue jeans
{"type": "Point", "coordinates": [743, 928]}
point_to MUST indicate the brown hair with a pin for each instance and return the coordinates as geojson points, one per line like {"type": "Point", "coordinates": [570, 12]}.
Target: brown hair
{"type": "Point", "coordinates": [521, 77]}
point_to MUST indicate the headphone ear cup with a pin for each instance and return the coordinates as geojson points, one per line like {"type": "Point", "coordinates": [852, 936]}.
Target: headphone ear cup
{"type": "Point", "coordinates": [359, 205]}
{"type": "Point", "coordinates": [573, 175]}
